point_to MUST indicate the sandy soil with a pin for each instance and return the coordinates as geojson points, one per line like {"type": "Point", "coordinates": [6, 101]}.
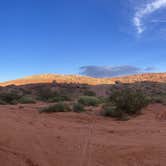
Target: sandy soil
{"type": "Point", "coordinates": [28, 138]}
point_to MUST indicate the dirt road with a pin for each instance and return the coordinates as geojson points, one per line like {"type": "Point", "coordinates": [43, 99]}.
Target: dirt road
{"type": "Point", "coordinates": [28, 138]}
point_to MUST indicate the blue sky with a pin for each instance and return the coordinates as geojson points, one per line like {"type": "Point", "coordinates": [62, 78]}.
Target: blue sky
{"type": "Point", "coordinates": [114, 37]}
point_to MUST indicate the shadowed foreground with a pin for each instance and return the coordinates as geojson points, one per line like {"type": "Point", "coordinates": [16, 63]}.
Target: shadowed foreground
{"type": "Point", "coordinates": [87, 139]}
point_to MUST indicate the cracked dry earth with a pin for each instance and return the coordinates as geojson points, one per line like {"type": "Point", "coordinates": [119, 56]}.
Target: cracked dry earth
{"type": "Point", "coordinates": [28, 138]}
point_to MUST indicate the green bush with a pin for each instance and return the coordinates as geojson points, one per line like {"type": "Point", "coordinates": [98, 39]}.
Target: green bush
{"type": "Point", "coordinates": [77, 107]}
{"type": "Point", "coordinates": [113, 112]}
{"type": "Point", "coordinates": [158, 99]}
{"type": "Point", "coordinates": [128, 100]}
{"type": "Point", "coordinates": [9, 97]}
{"type": "Point", "coordinates": [2, 102]}
{"type": "Point", "coordinates": [89, 93]}
{"type": "Point", "coordinates": [59, 98]}
{"type": "Point", "coordinates": [89, 101]}
{"type": "Point", "coordinates": [59, 107]}
{"type": "Point", "coordinates": [26, 100]}
{"type": "Point", "coordinates": [103, 99]}
{"type": "Point", "coordinates": [14, 102]}
{"type": "Point", "coordinates": [110, 111]}
{"type": "Point", "coordinates": [45, 94]}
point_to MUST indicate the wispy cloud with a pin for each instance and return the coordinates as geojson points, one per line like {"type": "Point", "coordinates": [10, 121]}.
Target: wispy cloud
{"type": "Point", "coordinates": [158, 21]}
{"type": "Point", "coordinates": [148, 9]}
{"type": "Point", "coordinates": [108, 71]}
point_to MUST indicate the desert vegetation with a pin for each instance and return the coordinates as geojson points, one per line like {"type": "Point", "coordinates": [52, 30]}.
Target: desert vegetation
{"type": "Point", "coordinates": [59, 107]}
{"type": "Point", "coordinates": [126, 102]}
{"type": "Point", "coordinates": [26, 100]}
{"type": "Point", "coordinates": [89, 101]}
{"type": "Point", "coordinates": [119, 100]}
{"type": "Point", "coordinates": [48, 95]}
{"type": "Point", "coordinates": [64, 117]}
{"type": "Point", "coordinates": [9, 97]}
{"type": "Point", "coordinates": [77, 107]}
{"type": "Point", "coordinates": [89, 93]}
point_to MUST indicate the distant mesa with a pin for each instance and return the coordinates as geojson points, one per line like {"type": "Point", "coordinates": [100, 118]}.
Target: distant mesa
{"type": "Point", "coordinates": [77, 79]}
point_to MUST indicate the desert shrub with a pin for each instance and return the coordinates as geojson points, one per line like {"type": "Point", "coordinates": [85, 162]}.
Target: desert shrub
{"type": "Point", "coordinates": [26, 100]}
{"type": "Point", "coordinates": [65, 98]}
{"type": "Point", "coordinates": [59, 98]}
{"type": "Point", "coordinates": [89, 93]}
{"type": "Point", "coordinates": [111, 111]}
{"type": "Point", "coordinates": [158, 99]}
{"type": "Point", "coordinates": [45, 94]}
{"type": "Point", "coordinates": [48, 95]}
{"type": "Point", "coordinates": [103, 99]}
{"type": "Point", "coordinates": [59, 107]}
{"type": "Point", "coordinates": [77, 107]}
{"type": "Point", "coordinates": [2, 102]}
{"type": "Point", "coordinates": [128, 100]}
{"type": "Point", "coordinates": [9, 97]}
{"type": "Point", "coordinates": [89, 101]}
{"type": "Point", "coordinates": [14, 102]}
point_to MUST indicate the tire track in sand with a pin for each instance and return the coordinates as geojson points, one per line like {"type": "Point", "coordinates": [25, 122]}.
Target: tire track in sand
{"type": "Point", "coordinates": [86, 152]}
{"type": "Point", "coordinates": [18, 154]}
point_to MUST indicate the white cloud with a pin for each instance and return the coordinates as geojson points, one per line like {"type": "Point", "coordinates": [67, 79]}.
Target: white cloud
{"type": "Point", "coordinates": [158, 21]}
{"type": "Point", "coordinates": [148, 9]}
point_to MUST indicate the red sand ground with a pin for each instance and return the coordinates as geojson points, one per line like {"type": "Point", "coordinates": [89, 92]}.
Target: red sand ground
{"type": "Point", "coordinates": [28, 138]}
